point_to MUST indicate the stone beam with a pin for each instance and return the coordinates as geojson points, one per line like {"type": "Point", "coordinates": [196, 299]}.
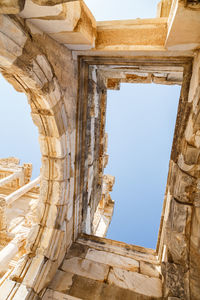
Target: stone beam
{"type": "Point", "coordinates": [183, 27]}
{"type": "Point", "coordinates": [23, 190]}
{"type": "Point", "coordinates": [10, 178]}
{"type": "Point", "coordinates": [130, 34]}
{"type": "Point", "coordinates": [71, 23]}
{"type": "Point", "coordinates": [15, 6]}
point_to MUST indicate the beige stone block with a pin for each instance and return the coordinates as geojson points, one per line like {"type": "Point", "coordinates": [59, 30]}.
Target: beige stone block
{"type": "Point", "coordinates": [69, 232]}
{"type": "Point", "coordinates": [183, 28]}
{"type": "Point", "coordinates": [52, 295]}
{"type": "Point", "coordinates": [86, 268]}
{"type": "Point", "coordinates": [12, 41]}
{"type": "Point", "coordinates": [54, 216]}
{"type": "Point", "coordinates": [50, 243]}
{"type": "Point", "coordinates": [23, 293]}
{"type": "Point", "coordinates": [113, 35]}
{"type": "Point", "coordinates": [11, 6]}
{"type": "Point", "coordinates": [142, 284]}
{"type": "Point", "coordinates": [6, 288]}
{"type": "Point", "coordinates": [113, 260]}
{"type": "Point", "coordinates": [48, 125]}
{"type": "Point", "coordinates": [53, 146]}
{"type": "Point", "coordinates": [51, 2]}
{"type": "Point", "coordinates": [54, 192]}
{"type": "Point", "coordinates": [57, 23]}
{"type": "Point", "coordinates": [34, 10]}
{"type": "Point", "coordinates": [191, 155]}
{"type": "Point", "coordinates": [44, 276]}
{"type": "Point", "coordinates": [37, 74]}
{"type": "Point", "coordinates": [189, 132]}
{"type": "Point", "coordinates": [32, 235]}
{"type": "Point", "coordinates": [35, 268]}
{"type": "Point", "coordinates": [62, 281]}
{"type": "Point", "coordinates": [54, 169]}
{"type": "Point", "coordinates": [74, 26]}
{"type": "Point", "coordinates": [70, 209]}
{"type": "Point", "coordinates": [150, 269]}
{"type": "Point", "coordinates": [195, 233]}
{"type": "Point", "coordinates": [54, 94]}
{"type": "Point", "coordinates": [45, 66]}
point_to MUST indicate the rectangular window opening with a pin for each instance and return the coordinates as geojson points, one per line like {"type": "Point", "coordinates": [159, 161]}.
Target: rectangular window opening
{"type": "Point", "coordinates": [140, 122]}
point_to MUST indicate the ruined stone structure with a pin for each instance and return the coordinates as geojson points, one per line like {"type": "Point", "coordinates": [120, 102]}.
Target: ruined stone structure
{"type": "Point", "coordinates": [56, 53]}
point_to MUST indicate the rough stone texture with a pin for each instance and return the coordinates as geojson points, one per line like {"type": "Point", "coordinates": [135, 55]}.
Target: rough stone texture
{"type": "Point", "coordinates": [70, 23]}
{"type": "Point", "coordinates": [51, 2]}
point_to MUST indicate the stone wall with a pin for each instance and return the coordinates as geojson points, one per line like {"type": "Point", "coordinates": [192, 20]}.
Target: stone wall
{"type": "Point", "coordinates": [46, 72]}
{"type": "Point", "coordinates": [97, 268]}
{"type": "Point", "coordinates": [181, 219]}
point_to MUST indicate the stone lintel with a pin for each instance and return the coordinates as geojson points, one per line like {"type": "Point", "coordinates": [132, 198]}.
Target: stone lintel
{"type": "Point", "coordinates": [124, 35]}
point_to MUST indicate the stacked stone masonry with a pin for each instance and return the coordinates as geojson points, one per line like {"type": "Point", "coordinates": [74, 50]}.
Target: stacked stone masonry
{"type": "Point", "coordinates": [56, 53]}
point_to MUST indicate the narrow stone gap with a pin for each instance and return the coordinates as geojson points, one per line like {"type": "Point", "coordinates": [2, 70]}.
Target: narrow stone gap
{"type": "Point", "coordinates": [140, 124]}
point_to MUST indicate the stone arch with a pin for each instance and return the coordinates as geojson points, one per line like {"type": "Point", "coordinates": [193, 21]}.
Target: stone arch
{"type": "Point", "coordinates": [38, 66]}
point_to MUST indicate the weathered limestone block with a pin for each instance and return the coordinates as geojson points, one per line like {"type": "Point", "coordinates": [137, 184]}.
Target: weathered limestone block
{"type": "Point", "coordinates": [77, 250]}
{"type": "Point", "coordinates": [163, 8]}
{"type": "Point", "coordinates": [54, 169]}
{"type": "Point", "coordinates": [51, 2]}
{"type": "Point", "coordinates": [24, 293]}
{"type": "Point", "coordinates": [195, 254]}
{"type": "Point", "coordinates": [11, 6]}
{"type": "Point", "coordinates": [55, 147]}
{"type": "Point", "coordinates": [6, 288]}
{"type": "Point", "coordinates": [58, 193]}
{"type": "Point", "coordinates": [194, 83]}
{"type": "Point", "coordinates": [185, 22]}
{"type": "Point", "coordinates": [181, 184]}
{"type": "Point", "coordinates": [113, 84]}
{"type": "Point", "coordinates": [176, 280]}
{"type": "Point", "coordinates": [51, 295]}
{"type": "Point", "coordinates": [51, 243]}
{"type": "Point", "coordinates": [62, 281]}
{"type": "Point", "coordinates": [112, 259]}
{"type": "Point", "coordinates": [12, 41]}
{"type": "Point", "coordinates": [113, 35]}
{"type": "Point", "coordinates": [150, 269]}
{"type": "Point", "coordinates": [70, 23]}
{"type": "Point", "coordinates": [178, 231]}
{"type": "Point", "coordinates": [136, 282]}
{"type": "Point", "coordinates": [86, 268]}
{"type": "Point", "coordinates": [191, 155]}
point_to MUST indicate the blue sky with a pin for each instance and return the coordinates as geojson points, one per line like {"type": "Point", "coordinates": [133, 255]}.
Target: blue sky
{"type": "Point", "coordinates": [140, 125]}
{"type": "Point", "coordinates": [19, 136]}
{"type": "Point", "coordinates": [122, 10]}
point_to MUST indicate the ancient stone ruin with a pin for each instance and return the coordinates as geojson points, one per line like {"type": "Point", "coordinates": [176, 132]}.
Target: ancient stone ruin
{"type": "Point", "coordinates": [52, 229]}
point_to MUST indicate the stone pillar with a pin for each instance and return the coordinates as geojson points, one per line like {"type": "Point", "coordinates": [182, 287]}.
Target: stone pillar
{"type": "Point", "coordinates": [9, 252]}
{"type": "Point", "coordinates": [23, 190]}
{"type": "Point", "coordinates": [10, 178]}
